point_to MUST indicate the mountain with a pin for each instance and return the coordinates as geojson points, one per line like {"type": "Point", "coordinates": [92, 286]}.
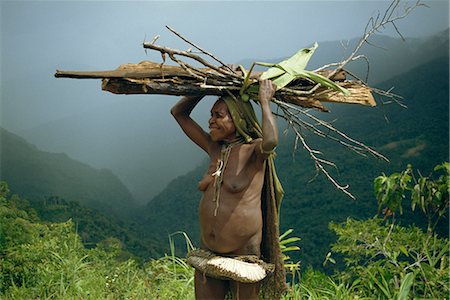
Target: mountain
{"type": "Point", "coordinates": [418, 135]}
{"type": "Point", "coordinates": [38, 175]}
{"type": "Point", "coordinates": [386, 55]}
{"type": "Point", "coordinates": [137, 139]}
{"type": "Point", "coordinates": [175, 208]}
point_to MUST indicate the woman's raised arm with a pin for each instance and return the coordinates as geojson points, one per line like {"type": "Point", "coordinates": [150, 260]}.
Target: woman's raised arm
{"type": "Point", "coordinates": [269, 127]}
{"type": "Point", "coordinates": [181, 112]}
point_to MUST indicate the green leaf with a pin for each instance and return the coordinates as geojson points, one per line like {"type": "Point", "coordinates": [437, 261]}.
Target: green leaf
{"type": "Point", "coordinates": [286, 233]}
{"type": "Point", "coordinates": [298, 61]}
{"type": "Point", "coordinates": [291, 248]}
{"type": "Point", "coordinates": [403, 250]}
{"type": "Point", "coordinates": [443, 166]}
{"type": "Point", "coordinates": [292, 65]}
{"type": "Point", "coordinates": [283, 80]}
{"type": "Point", "coordinates": [290, 240]}
{"type": "Point", "coordinates": [325, 82]}
{"type": "Point", "coordinates": [405, 286]}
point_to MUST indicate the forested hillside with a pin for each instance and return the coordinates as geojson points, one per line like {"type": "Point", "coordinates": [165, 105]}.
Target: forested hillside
{"type": "Point", "coordinates": [416, 135]}
{"type": "Point", "coordinates": [41, 260]}
{"type": "Point", "coordinates": [58, 189]}
{"type": "Point", "coordinates": [37, 175]}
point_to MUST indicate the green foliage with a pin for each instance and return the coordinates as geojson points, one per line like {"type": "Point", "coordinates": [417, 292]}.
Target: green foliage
{"type": "Point", "coordinates": [285, 241]}
{"type": "Point", "coordinates": [287, 245]}
{"type": "Point", "coordinates": [392, 260]}
{"type": "Point", "coordinates": [93, 226]}
{"type": "Point", "coordinates": [430, 195]}
{"type": "Point", "coordinates": [317, 285]}
{"type": "Point", "coordinates": [170, 278]}
{"type": "Point", "coordinates": [49, 261]}
{"type": "Point", "coordinates": [390, 190]}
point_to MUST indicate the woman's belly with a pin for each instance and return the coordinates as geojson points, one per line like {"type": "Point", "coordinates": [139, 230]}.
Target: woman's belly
{"type": "Point", "coordinates": [236, 223]}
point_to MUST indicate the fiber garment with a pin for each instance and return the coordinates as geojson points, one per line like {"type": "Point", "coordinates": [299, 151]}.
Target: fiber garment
{"type": "Point", "coordinates": [240, 268]}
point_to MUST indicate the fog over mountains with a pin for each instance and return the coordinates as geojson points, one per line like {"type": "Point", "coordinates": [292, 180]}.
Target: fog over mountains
{"type": "Point", "coordinates": [139, 141]}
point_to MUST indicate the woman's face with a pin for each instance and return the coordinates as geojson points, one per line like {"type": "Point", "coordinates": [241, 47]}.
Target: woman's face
{"type": "Point", "coordinates": [221, 124]}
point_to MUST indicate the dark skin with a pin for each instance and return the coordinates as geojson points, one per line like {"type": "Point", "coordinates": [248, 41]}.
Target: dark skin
{"type": "Point", "coordinates": [237, 226]}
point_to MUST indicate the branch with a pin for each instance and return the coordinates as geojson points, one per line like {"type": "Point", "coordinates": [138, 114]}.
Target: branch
{"type": "Point", "coordinates": [374, 25]}
{"type": "Point", "coordinates": [192, 56]}
{"type": "Point", "coordinates": [201, 50]}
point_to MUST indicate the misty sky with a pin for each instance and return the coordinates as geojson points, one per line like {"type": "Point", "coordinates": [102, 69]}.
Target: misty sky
{"type": "Point", "coordinates": [39, 37]}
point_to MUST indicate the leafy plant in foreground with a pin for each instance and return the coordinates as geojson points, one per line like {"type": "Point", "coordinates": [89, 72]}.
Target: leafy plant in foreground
{"type": "Point", "coordinates": [430, 195]}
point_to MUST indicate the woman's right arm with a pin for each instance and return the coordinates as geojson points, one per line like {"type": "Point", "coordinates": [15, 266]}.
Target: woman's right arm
{"type": "Point", "coordinates": [181, 112]}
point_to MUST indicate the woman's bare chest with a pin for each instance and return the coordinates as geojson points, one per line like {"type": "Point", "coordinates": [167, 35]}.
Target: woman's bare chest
{"type": "Point", "coordinates": [234, 172]}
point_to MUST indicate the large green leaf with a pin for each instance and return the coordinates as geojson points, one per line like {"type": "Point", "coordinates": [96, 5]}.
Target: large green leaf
{"type": "Point", "coordinates": [294, 67]}
{"type": "Point", "coordinates": [283, 80]}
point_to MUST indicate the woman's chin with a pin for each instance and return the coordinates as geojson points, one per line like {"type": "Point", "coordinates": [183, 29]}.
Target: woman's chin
{"type": "Point", "coordinates": [216, 138]}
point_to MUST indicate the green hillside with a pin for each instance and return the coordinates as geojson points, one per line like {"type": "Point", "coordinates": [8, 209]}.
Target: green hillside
{"type": "Point", "coordinates": [58, 189]}
{"type": "Point", "coordinates": [42, 260]}
{"type": "Point", "coordinates": [38, 175]}
{"type": "Point", "coordinates": [175, 209]}
{"type": "Point", "coordinates": [417, 135]}
{"type": "Point", "coordinates": [93, 226]}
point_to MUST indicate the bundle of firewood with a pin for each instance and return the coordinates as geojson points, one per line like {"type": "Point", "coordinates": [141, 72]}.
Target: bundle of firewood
{"type": "Point", "coordinates": [155, 78]}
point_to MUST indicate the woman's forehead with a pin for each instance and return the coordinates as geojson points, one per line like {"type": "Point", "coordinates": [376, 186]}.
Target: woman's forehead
{"type": "Point", "coordinates": [219, 106]}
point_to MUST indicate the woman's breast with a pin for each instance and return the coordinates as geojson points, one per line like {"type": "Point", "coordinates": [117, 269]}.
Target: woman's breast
{"type": "Point", "coordinates": [236, 183]}
{"type": "Point", "coordinates": [206, 181]}
{"type": "Point", "coordinates": [208, 178]}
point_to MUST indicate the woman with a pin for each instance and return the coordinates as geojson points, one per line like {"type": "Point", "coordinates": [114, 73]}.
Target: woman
{"type": "Point", "coordinates": [230, 214]}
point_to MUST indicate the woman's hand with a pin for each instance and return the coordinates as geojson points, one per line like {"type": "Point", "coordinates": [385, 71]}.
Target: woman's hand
{"type": "Point", "coordinates": [266, 90]}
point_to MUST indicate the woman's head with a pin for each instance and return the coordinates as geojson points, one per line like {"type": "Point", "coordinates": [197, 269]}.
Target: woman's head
{"type": "Point", "coordinates": [220, 123]}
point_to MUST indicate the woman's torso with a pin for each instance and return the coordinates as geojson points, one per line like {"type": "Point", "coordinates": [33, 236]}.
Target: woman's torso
{"type": "Point", "coordinates": [233, 222]}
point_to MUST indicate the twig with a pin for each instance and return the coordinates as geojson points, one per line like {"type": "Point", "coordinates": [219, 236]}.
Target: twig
{"type": "Point", "coordinates": [375, 25]}
{"type": "Point", "coordinates": [330, 127]}
{"type": "Point", "coordinates": [192, 56]}
{"type": "Point", "coordinates": [200, 49]}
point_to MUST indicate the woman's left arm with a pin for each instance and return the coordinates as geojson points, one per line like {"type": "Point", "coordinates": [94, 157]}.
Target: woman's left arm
{"type": "Point", "coordinates": [269, 127]}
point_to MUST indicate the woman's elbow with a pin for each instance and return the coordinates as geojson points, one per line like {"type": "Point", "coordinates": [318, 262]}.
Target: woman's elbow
{"type": "Point", "coordinates": [175, 112]}
{"type": "Point", "coordinates": [270, 144]}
